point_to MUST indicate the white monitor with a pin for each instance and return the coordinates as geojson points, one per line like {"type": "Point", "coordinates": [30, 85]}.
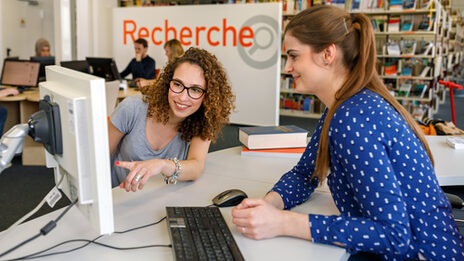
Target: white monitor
{"type": "Point", "coordinates": [85, 160]}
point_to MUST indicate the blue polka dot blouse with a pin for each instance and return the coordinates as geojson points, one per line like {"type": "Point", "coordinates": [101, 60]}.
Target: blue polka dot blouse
{"type": "Point", "coordinates": [382, 182]}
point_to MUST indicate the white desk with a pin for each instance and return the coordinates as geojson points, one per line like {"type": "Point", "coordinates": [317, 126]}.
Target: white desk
{"type": "Point", "coordinates": [224, 170]}
{"type": "Point", "coordinates": [449, 163]}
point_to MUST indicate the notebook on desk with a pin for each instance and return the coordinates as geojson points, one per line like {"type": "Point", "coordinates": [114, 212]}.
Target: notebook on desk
{"type": "Point", "coordinates": [20, 73]}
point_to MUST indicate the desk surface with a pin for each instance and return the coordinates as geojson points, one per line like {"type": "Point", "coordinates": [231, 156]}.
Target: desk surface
{"type": "Point", "coordinates": [223, 170]}
{"type": "Point", "coordinates": [34, 96]}
{"type": "Point", "coordinates": [449, 162]}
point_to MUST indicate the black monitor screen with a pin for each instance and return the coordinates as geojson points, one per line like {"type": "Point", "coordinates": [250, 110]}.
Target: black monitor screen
{"type": "Point", "coordinates": [81, 66]}
{"type": "Point", "coordinates": [20, 73]}
{"type": "Point", "coordinates": [44, 61]}
{"type": "Point", "coordinates": [103, 67]}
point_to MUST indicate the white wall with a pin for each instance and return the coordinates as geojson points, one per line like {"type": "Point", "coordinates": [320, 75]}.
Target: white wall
{"type": "Point", "coordinates": [94, 28]}
{"type": "Point", "coordinates": [39, 23]}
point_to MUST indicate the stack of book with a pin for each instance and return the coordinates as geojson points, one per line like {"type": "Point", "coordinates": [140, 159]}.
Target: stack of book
{"type": "Point", "coordinates": [287, 141]}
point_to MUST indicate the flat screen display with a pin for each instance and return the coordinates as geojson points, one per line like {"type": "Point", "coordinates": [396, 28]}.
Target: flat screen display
{"type": "Point", "coordinates": [20, 73]}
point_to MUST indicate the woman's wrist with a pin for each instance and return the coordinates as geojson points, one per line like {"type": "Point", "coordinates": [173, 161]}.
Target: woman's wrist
{"type": "Point", "coordinates": [295, 225]}
{"type": "Point", "coordinates": [171, 173]}
{"type": "Point", "coordinates": [274, 199]}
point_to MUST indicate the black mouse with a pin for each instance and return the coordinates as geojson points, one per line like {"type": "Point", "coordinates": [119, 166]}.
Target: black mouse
{"type": "Point", "coordinates": [228, 198]}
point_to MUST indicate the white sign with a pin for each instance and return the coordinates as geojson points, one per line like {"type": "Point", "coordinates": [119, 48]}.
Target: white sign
{"type": "Point", "coordinates": [246, 38]}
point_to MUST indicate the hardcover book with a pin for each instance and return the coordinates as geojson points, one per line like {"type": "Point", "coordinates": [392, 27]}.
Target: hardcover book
{"type": "Point", "coordinates": [273, 137]}
{"type": "Point", "coordinates": [293, 153]}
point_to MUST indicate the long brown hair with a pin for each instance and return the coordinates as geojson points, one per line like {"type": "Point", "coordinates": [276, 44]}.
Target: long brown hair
{"type": "Point", "coordinates": [323, 25]}
{"type": "Point", "coordinates": [217, 104]}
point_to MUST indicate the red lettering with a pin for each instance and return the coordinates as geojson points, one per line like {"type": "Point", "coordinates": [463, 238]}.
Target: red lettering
{"type": "Point", "coordinates": [167, 29]}
{"type": "Point", "coordinates": [208, 36]}
{"type": "Point", "coordinates": [186, 34]}
{"type": "Point", "coordinates": [153, 35]}
{"type": "Point", "coordinates": [126, 31]}
{"type": "Point", "coordinates": [242, 36]}
{"type": "Point", "coordinates": [183, 35]}
{"type": "Point", "coordinates": [197, 35]}
{"type": "Point", "coordinates": [143, 32]}
{"type": "Point", "coordinates": [224, 32]}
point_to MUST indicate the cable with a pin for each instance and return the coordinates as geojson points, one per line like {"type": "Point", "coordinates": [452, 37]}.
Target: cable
{"type": "Point", "coordinates": [32, 212]}
{"type": "Point", "coordinates": [88, 242]}
{"type": "Point", "coordinates": [43, 231]}
{"type": "Point", "coordinates": [144, 226]}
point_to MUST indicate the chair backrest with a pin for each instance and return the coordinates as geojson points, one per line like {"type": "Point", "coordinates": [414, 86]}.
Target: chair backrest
{"type": "Point", "coordinates": [112, 91]}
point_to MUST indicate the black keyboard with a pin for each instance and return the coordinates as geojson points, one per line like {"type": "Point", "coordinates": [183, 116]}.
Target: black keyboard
{"type": "Point", "coordinates": [200, 233]}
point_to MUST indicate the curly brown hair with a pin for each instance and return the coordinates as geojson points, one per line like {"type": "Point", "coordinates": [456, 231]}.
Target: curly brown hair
{"type": "Point", "coordinates": [217, 104]}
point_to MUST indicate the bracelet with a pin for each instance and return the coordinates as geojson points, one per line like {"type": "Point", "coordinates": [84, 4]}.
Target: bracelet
{"type": "Point", "coordinates": [173, 179]}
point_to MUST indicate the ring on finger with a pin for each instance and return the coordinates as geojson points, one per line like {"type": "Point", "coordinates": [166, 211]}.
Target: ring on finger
{"type": "Point", "coordinates": [138, 177]}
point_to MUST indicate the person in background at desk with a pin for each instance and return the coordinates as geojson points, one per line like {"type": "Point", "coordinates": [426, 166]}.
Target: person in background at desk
{"type": "Point", "coordinates": [172, 49]}
{"type": "Point", "coordinates": [4, 112]}
{"type": "Point", "coordinates": [373, 155]}
{"type": "Point", "coordinates": [42, 47]}
{"type": "Point", "coordinates": [142, 66]}
{"type": "Point", "coordinates": [169, 128]}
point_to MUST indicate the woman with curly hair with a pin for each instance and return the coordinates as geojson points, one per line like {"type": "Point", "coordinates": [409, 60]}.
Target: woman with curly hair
{"type": "Point", "coordinates": [168, 129]}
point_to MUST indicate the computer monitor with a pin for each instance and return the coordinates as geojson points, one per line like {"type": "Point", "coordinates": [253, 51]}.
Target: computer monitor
{"type": "Point", "coordinates": [85, 158]}
{"type": "Point", "coordinates": [81, 66]}
{"type": "Point", "coordinates": [20, 73]}
{"type": "Point", "coordinates": [12, 58]}
{"type": "Point", "coordinates": [103, 67]}
{"type": "Point", "coordinates": [44, 61]}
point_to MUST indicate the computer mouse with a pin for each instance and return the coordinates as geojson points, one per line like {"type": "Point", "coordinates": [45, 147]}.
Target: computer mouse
{"type": "Point", "coordinates": [228, 198]}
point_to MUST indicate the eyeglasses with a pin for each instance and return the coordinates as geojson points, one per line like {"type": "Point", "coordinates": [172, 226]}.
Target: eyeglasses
{"type": "Point", "coordinates": [193, 92]}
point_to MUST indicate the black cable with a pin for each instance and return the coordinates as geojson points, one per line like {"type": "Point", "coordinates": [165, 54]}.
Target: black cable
{"type": "Point", "coordinates": [144, 226]}
{"type": "Point", "coordinates": [43, 231]}
{"type": "Point", "coordinates": [88, 242]}
{"type": "Point", "coordinates": [20, 244]}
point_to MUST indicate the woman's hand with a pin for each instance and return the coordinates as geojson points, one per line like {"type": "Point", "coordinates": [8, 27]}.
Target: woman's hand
{"type": "Point", "coordinates": [257, 219]}
{"type": "Point", "coordinates": [9, 91]}
{"type": "Point", "coordinates": [140, 172]}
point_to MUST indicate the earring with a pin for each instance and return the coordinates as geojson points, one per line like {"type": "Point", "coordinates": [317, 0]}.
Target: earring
{"type": "Point", "coordinates": [326, 63]}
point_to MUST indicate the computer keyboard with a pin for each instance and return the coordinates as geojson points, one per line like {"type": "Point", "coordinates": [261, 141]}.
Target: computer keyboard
{"type": "Point", "coordinates": [200, 233]}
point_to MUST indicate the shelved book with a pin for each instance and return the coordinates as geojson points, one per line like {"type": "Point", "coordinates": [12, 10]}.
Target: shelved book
{"type": "Point", "coordinates": [273, 137]}
{"type": "Point", "coordinates": [293, 153]}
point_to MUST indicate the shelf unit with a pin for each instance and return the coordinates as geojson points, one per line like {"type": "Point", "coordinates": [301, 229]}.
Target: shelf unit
{"type": "Point", "coordinates": [411, 44]}
{"type": "Point", "coordinates": [418, 69]}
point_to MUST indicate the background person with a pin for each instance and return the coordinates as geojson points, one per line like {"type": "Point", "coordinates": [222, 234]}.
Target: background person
{"type": "Point", "coordinates": [42, 47]}
{"type": "Point", "coordinates": [142, 66]}
{"type": "Point", "coordinates": [172, 49]}
{"type": "Point", "coordinates": [168, 130]}
{"type": "Point", "coordinates": [367, 146]}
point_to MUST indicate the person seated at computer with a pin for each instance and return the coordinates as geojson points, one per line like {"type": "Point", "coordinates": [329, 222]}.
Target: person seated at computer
{"type": "Point", "coordinates": [42, 47]}
{"type": "Point", "coordinates": [367, 146]}
{"type": "Point", "coordinates": [3, 111]}
{"type": "Point", "coordinates": [142, 66]}
{"type": "Point", "coordinates": [172, 49]}
{"type": "Point", "coordinates": [167, 130]}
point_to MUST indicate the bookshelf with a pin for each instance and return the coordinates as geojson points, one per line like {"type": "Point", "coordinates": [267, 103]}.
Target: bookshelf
{"type": "Point", "coordinates": [411, 39]}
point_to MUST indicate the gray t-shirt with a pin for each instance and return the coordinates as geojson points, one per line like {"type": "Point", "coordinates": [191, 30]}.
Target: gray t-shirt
{"type": "Point", "coordinates": [130, 119]}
